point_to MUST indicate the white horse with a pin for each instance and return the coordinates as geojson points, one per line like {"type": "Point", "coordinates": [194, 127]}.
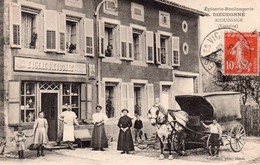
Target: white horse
{"type": "Point", "coordinates": [169, 125]}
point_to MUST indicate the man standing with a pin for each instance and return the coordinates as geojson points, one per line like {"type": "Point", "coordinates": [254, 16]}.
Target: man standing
{"type": "Point", "coordinates": [69, 118]}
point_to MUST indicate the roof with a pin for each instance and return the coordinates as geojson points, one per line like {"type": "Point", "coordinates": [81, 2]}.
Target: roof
{"type": "Point", "coordinates": [173, 4]}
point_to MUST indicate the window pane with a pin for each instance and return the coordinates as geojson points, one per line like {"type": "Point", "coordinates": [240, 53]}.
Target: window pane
{"type": "Point", "coordinates": [110, 110]}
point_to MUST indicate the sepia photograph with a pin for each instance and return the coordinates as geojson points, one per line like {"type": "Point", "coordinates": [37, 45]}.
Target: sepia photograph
{"type": "Point", "coordinates": [112, 82]}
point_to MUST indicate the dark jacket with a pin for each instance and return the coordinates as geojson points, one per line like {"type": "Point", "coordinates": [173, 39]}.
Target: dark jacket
{"type": "Point", "coordinates": [138, 124]}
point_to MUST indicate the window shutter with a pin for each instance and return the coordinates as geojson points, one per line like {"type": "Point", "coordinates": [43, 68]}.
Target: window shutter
{"type": "Point", "coordinates": [131, 99]}
{"type": "Point", "coordinates": [175, 51]}
{"type": "Point", "coordinates": [14, 102]}
{"type": "Point", "coordinates": [130, 44]}
{"type": "Point", "coordinates": [89, 101]}
{"type": "Point", "coordinates": [124, 96]}
{"type": "Point", "coordinates": [83, 102]}
{"type": "Point", "coordinates": [102, 97]}
{"type": "Point", "coordinates": [158, 48]}
{"type": "Point", "coordinates": [149, 47]}
{"type": "Point", "coordinates": [50, 31]}
{"type": "Point", "coordinates": [15, 25]}
{"type": "Point", "coordinates": [123, 41]}
{"type": "Point", "coordinates": [89, 37]}
{"type": "Point", "coordinates": [169, 51]}
{"type": "Point", "coordinates": [62, 33]}
{"type": "Point", "coordinates": [150, 94]}
{"type": "Point", "coordinates": [101, 39]}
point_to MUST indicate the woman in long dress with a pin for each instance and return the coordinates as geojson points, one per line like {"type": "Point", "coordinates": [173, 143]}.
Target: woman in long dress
{"type": "Point", "coordinates": [99, 138]}
{"type": "Point", "coordinates": [40, 133]}
{"type": "Point", "coordinates": [125, 140]}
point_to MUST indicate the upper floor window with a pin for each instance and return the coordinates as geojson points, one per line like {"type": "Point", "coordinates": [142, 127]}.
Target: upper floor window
{"type": "Point", "coordinates": [138, 44]}
{"type": "Point", "coordinates": [164, 40]}
{"type": "Point", "coordinates": [72, 33]}
{"type": "Point", "coordinates": [110, 40]}
{"type": "Point", "coordinates": [137, 11]}
{"type": "Point", "coordinates": [164, 19]}
{"type": "Point", "coordinates": [110, 7]}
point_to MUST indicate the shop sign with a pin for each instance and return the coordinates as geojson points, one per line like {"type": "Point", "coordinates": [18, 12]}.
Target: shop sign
{"type": "Point", "coordinates": [49, 66]}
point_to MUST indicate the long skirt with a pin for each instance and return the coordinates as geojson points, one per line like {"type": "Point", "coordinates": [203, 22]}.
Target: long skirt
{"type": "Point", "coordinates": [125, 141]}
{"type": "Point", "coordinates": [68, 133]}
{"type": "Point", "coordinates": [99, 138]}
{"type": "Point", "coordinates": [40, 136]}
{"type": "Point", "coordinates": [21, 146]}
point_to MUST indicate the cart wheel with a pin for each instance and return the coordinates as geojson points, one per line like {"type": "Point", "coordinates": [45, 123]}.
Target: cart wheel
{"type": "Point", "coordinates": [237, 135]}
{"type": "Point", "coordinates": [178, 144]}
{"type": "Point", "coordinates": [209, 145]}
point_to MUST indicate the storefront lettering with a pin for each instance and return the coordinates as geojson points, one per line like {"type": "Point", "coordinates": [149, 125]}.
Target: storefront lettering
{"type": "Point", "coordinates": [51, 66]}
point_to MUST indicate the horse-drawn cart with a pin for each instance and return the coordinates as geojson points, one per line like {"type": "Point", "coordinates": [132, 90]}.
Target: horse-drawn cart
{"type": "Point", "coordinates": [225, 106]}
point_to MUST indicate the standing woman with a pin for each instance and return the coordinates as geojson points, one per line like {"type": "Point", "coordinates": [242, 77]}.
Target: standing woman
{"type": "Point", "coordinates": [125, 140]}
{"type": "Point", "coordinates": [99, 138]}
{"type": "Point", "coordinates": [40, 130]}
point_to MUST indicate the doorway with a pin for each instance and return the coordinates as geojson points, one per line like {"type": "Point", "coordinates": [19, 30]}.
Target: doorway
{"type": "Point", "coordinates": [49, 105]}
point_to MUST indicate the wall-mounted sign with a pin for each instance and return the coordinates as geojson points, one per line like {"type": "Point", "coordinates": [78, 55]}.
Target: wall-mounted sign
{"type": "Point", "coordinates": [91, 70]}
{"type": "Point", "coordinates": [49, 66]}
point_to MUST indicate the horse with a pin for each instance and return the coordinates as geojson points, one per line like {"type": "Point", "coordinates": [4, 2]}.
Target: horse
{"type": "Point", "coordinates": [170, 126]}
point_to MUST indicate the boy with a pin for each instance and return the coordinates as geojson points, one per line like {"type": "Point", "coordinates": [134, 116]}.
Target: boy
{"type": "Point", "coordinates": [138, 127]}
{"type": "Point", "coordinates": [215, 136]}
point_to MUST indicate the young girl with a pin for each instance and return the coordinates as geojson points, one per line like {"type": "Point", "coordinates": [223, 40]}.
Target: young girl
{"type": "Point", "coordinates": [40, 133]}
{"type": "Point", "coordinates": [20, 142]}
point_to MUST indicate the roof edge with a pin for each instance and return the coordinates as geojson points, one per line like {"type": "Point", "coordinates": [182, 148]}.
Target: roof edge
{"type": "Point", "coordinates": [173, 4]}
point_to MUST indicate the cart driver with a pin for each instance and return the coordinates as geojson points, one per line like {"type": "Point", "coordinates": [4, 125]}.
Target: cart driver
{"type": "Point", "coordinates": [215, 136]}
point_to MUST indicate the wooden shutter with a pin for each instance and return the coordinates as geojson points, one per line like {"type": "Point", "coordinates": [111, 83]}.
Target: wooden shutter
{"type": "Point", "coordinates": [158, 48]}
{"type": "Point", "coordinates": [101, 39]}
{"type": "Point", "coordinates": [149, 47]}
{"type": "Point", "coordinates": [124, 96]}
{"type": "Point", "coordinates": [102, 97]}
{"type": "Point", "coordinates": [50, 37]}
{"type": "Point", "coordinates": [62, 33]}
{"type": "Point", "coordinates": [150, 95]}
{"type": "Point", "coordinates": [15, 25]}
{"type": "Point", "coordinates": [89, 100]}
{"type": "Point", "coordinates": [169, 51]}
{"type": "Point", "coordinates": [83, 102]}
{"type": "Point", "coordinates": [14, 102]}
{"type": "Point", "coordinates": [175, 51]}
{"type": "Point", "coordinates": [130, 44]}
{"type": "Point", "coordinates": [131, 99]}
{"type": "Point", "coordinates": [123, 41]}
{"type": "Point", "coordinates": [89, 37]}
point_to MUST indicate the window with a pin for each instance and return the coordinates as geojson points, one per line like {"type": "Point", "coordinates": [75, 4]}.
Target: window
{"type": "Point", "coordinates": [72, 43]}
{"type": "Point", "coordinates": [110, 40]}
{"type": "Point", "coordinates": [164, 41]}
{"type": "Point", "coordinates": [71, 96]}
{"type": "Point", "coordinates": [137, 100]}
{"type": "Point", "coordinates": [110, 7]}
{"type": "Point", "coordinates": [164, 19]}
{"type": "Point", "coordinates": [138, 39]}
{"type": "Point", "coordinates": [28, 102]}
{"type": "Point", "coordinates": [110, 101]}
{"type": "Point", "coordinates": [137, 11]}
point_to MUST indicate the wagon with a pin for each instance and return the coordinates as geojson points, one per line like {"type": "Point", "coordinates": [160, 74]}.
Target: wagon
{"type": "Point", "coordinates": [225, 106]}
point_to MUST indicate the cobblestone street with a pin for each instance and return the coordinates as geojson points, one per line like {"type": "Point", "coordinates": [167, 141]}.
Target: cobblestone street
{"type": "Point", "coordinates": [249, 155]}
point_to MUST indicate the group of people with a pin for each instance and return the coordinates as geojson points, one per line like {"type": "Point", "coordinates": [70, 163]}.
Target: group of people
{"type": "Point", "coordinates": [99, 138]}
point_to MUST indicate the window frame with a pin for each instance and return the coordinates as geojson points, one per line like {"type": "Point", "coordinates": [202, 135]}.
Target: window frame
{"type": "Point", "coordinates": [168, 48]}
{"type": "Point", "coordinates": [133, 15]}
{"type": "Point", "coordinates": [168, 17]}
{"type": "Point", "coordinates": [111, 11]}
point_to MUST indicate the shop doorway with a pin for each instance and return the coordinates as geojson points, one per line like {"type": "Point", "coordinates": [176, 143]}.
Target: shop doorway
{"type": "Point", "coordinates": [49, 105]}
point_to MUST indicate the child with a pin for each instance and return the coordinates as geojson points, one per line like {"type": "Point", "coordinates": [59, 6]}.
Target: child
{"type": "Point", "coordinates": [138, 125]}
{"type": "Point", "coordinates": [40, 133]}
{"type": "Point", "coordinates": [20, 139]}
{"type": "Point", "coordinates": [215, 136]}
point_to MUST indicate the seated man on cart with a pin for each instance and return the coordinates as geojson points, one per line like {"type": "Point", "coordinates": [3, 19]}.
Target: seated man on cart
{"type": "Point", "coordinates": [215, 136]}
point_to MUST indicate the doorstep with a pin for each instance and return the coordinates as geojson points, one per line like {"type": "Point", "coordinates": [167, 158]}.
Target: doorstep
{"type": "Point", "coordinates": [53, 146]}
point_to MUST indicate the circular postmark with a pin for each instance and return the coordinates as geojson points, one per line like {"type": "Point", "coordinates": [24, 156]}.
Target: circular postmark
{"type": "Point", "coordinates": [225, 51]}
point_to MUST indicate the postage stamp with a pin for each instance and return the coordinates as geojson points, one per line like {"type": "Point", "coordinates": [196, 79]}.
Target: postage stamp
{"type": "Point", "coordinates": [240, 54]}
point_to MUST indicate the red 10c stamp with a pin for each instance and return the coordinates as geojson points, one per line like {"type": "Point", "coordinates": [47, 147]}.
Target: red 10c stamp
{"type": "Point", "coordinates": [240, 53]}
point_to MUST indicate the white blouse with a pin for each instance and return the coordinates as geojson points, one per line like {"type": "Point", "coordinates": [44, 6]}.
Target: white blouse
{"type": "Point", "coordinates": [98, 117]}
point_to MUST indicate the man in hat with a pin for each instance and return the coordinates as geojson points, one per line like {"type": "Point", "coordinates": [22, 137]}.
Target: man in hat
{"type": "Point", "coordinates": [215, 136]}
{"type": "Point", "coordinates": [69, 118]}
{"type": "Point", "coordinates": [99, 138]}
{"type": "Point", "coordinates": [125, 140]}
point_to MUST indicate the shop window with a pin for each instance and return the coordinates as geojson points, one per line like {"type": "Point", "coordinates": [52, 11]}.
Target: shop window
{"type": "Point", "coordinates": [71, 96]}
{"type": "Point", "coordinates": [164, 19]}
{"type": "Point", "coordinates": [28, 102]}
{"type": "Point", "coordinates": [110, 40]}
{"type": "Point", "coordinates": [110, 101]}
{"type": "Point", "coordinates": [137, 100]}
{"type": "Point", "coordinates": [72, 35]}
